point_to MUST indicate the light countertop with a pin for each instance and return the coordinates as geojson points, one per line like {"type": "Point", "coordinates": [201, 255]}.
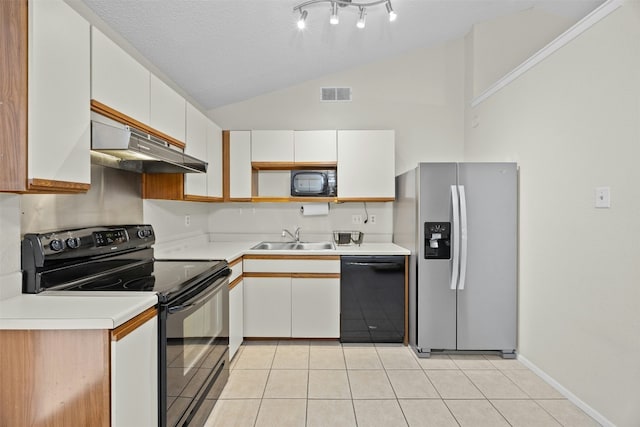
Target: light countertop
{"type": "Point", "coordinates": [73, 310]}
{"type": "Point", "coordinates": [108, 310]}
{"type": "Point", "coordinates": [233, 250]}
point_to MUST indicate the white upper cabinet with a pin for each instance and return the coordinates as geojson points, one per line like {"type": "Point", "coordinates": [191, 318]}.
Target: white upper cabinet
{"type": "Point", "coordinates": [214, 158]}
{"type": "Point", "coordinates": [196, 183]}
{"type": "Point", "coordinates": [366, 164]}
{"type": "Point", "coordinates": [272, 146]}
{"type": "Point", "coordinates": [59, 93]}
{"type": "Point", "coordinates": [166, 109]}
{"type": "Point", "coordinates": [240, 164]}
{"type": "Point", "coordinates": [117, 79]}
{"type": "Point", "coordinates": [315, 146]}
{"type": "Point", "coordinates": [204, 141]}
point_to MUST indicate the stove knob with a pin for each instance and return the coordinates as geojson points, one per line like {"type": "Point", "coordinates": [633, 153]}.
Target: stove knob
{"type": "Point", "coordinates": [73, 242]}
{"type": "Point", "coordinates": [141, 234]}
{"type": "Point", "coordinates": [148, 232]}
{"type": "Point", "coordinates": [56, 245]}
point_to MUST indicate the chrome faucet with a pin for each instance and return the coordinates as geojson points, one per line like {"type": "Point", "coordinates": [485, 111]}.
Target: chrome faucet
{"type": "Point", "coordinates": [295, 235]}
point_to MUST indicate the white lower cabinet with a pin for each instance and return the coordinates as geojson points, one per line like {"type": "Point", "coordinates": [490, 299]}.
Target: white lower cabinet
{"type": "Point", "coordinates": [267, 306]}
{"type": "Point", "coordinates": [288, 304]}
{"type": "Point", "coordinates": [236, 318]}
{"type": "Point", "coordinates": [315, 308]}
{"type": "Point", "coordinates": [134, 376]}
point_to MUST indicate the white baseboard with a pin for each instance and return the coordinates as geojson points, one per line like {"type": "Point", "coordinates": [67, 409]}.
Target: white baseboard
{"type": "Point", "coordinates": [566, 393]}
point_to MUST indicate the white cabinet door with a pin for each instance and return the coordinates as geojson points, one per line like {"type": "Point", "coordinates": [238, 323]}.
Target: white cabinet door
{"type": "Point", "coordinates": [314, 146]}
{"type": "Point", "coordinates": [134, 377]}
{"type": "Point", "coordinates": [214, 158]}
{"type": "Point", "coordinates": [315, 308]}
{"type": "Point", "coordinates": [236, 318]}
{"type": "Point", "coordinates": [204, 141]}
{"type": "Point", "coordinates": [240, 164]}
{"type": "Point", "coordinates": [166, 109]}
{"type": "Point", "coordinates": [118, 80]}
{"type": "Point", "coordinates": [59, 93]}
{"type": "Point", "coordinates": [267, 306]}
{"type": "Point", "coordinates": [272, 146]}
{"type": "Point", "coordinates": [196, 183]}
{"type": "Point", "coordinates": [366, 164]}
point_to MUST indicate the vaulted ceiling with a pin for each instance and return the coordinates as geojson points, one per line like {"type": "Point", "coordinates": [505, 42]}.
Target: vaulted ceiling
{"type": "Point", "coordinates": [225, 51]}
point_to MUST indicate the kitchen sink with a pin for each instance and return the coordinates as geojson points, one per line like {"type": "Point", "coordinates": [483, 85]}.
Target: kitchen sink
{"type": "Point", "coordinates": [297, 246]}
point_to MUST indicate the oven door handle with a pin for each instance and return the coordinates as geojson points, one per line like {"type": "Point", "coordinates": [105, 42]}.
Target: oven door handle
{"type": "Point", "coordinates": [199, 298]}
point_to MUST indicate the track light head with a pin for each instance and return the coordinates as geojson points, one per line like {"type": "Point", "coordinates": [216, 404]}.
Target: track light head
{"type": "Point", "coordinates": [392, 15]}
{"type": "Point", "coordinates": [333, 20]}
{"type": "Point", "coordinates": [361, 20]}
{"type": "Point", "coordinates": [301, 21]}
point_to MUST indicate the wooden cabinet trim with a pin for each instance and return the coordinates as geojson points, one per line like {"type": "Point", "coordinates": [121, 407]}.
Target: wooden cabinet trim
{"type": "Point", "coordinates": [48, 186]}
{"type": "Point", "coordinates": [406, 300]}
{"type": "Point", "coordinates": [133, 324]}
{"type": "Point", "coordinates": [14, 66]}
{"type": "Point", "coordinates": [315, 275]}
{"type": "Point", "coordinates": [73, 387]}
{"type": "Point", "coordinates": [235, 261]}
{"type": "Point", "coordinates": [113, 114]}
{"type": "Point", "coordinates": [293, 165]}
{"type": "Point", "coordinates": [235, 282]}
{"type": "Point", "coordinates": [294, 257]}
{"type": "Point", "coordinates": [166, 186]}
{"type": "Point", "coordinates": [207, 199]}
{"type": "Point", "coordinates": [295, 275]}
{"type": "Point", "coordinates": [365, 199]}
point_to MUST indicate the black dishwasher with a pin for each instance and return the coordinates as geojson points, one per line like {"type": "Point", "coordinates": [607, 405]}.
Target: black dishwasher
{"type": "Point", "coordinates": [372, 298]}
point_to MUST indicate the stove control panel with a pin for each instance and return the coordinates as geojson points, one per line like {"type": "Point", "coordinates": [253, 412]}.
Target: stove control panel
{"type": "Point", "coordinates": [110, 237]}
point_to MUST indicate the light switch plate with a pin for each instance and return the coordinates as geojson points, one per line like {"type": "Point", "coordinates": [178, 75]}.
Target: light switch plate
{"type": "Point", "coordinates": [603, 197]}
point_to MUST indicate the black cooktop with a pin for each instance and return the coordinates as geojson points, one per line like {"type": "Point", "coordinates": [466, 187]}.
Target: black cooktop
{"type": "Point", "coordinates": [164, 277]}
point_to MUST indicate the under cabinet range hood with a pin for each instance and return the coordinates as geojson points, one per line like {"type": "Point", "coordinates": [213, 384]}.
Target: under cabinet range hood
{"type": "Point", "coordinates": [120, 146]}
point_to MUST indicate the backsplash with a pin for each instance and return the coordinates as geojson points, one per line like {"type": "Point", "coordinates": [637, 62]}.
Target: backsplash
{"type": "Point", "coordinates": [114, 198]}
{"type": "Point", "coordinates": [264, 221]}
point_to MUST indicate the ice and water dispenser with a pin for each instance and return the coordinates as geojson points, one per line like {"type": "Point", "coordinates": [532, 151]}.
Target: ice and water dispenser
{"type": "Point", "coordinates": [437, 240]}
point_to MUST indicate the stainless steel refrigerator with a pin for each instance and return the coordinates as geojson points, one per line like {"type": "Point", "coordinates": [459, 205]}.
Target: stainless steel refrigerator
{"type": "Point", "coordinates": [460, 222]}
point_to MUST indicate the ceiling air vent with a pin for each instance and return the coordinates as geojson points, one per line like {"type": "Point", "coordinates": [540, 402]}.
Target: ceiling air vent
{"type": "Point", "coordinates": [335, 94]}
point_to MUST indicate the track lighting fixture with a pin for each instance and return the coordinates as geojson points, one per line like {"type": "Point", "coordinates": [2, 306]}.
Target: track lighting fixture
{"type": "Point", "coordinates": [334, 20]}
{"type": "Point", "coordinates": [392, 14]}
{"type": "Point", "coordinates": [361, 20]}
{"type": "Point", "coordinates": [334, 14]}
{"type": "Point", "coordinates": [302, 20]}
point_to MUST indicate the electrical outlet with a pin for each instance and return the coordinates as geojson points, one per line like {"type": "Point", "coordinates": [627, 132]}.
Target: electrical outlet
{"type": "Point", "coordinates": [356, 219]}
{"type": "Point", "coordinates": [372, 219]}
{"type": "Point", "coordinates": [187, 220]}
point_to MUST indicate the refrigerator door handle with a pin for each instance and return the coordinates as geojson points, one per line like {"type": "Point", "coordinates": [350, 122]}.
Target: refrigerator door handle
{"type": "Point", "coordinates": [463, 238]}
{"type": "Point", "coordinates": [455, 264]}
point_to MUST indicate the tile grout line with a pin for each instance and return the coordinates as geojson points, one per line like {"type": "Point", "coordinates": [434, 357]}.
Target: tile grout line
{"type": "Point", "coordinates": [392, 388]}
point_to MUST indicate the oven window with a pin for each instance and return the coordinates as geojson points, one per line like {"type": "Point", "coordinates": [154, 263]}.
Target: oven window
{"type": "Point", "coordinates": [197, 339]}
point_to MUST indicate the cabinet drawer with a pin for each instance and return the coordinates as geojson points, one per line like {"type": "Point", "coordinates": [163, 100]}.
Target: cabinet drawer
{"type": "Point", "coordinates": [320, 264]}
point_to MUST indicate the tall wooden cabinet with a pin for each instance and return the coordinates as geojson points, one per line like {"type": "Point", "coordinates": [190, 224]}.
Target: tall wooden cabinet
{"type": "Point", "coordinates": [44, 97]}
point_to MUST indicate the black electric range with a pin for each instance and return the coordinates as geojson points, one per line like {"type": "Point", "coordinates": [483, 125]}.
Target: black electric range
{"type": "Point", "coordinates": [120, 259]}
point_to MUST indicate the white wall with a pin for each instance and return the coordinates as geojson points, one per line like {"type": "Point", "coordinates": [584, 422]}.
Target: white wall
{"type": "Point", "coordinates": [114, 198]}
{"type": "Point", "coordinates": [168, 219]}
{"type": "Point", "coordinates": [494, 50]}
{"type": "Point", "coordinates": [10, 275]}
{"type": "Point", "coordinates": [573, 123]}
{"type": "Point", "coordinates": [265, 221]}
{"type": "Point", "coordinates": [419, 94]}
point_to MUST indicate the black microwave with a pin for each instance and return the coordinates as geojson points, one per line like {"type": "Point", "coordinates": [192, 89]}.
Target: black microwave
{"type": "Point", "coordinates": [314, 183]}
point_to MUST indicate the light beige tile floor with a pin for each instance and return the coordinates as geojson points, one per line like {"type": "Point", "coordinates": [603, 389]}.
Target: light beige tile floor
{"type": "Point", "coordinates": [326, 384]}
